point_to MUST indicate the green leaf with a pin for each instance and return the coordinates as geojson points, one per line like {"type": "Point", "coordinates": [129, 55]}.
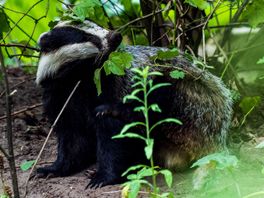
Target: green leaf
{"type": "Point", "coordinates": [97, 81]}
{"type": "Point", "coordinates": [4, 23]}
{"type": "Point", "coordinates": [155, 108]}
{"type": "Point", "coordinates": [4, 196]}
{"type": "Point", "coordinates": [149, 148]}
{"type": "Point", "coordinates": [131, 97]}
{"type": "Point", "coordinates": [165, 55]}
{"type": "Point", "coordinates": [168, 177]}
{"type": "Point", "coordinates": [261, 61]}
{"type": "Point", "coordinates": [248, 103]}
{"type": "Point", "coordinates": [174, 120]}
{"type": "Point", "coordinates": [133, 124]}
{"type": "Point", "coordinates": [254, 13]}
{"type": "Point", "coordinates": [141, 108]}
{"type": "Point", "coordinates": [260, 145]}
{"type": "Point", "coordinates": [146, 172]}
{"type": "Point", "coordinates": [134, 189]}
{"type": "Point", "coordinates": [221, 161]}
{"type": "Point", "coordinates": [155, 73]}
{"type": "Point", "coordinates": [27, 165]}
{"type": "Point", "coordinates": [133, 168]}
{"type": "Point", "coordinates": [129, 135]}
{"type": "Point", "coordinates": [117, 63]}
{"type": "Point", "coordinates": [157, 86]}
{"type": "Point", "coordinates": [85, 8]}
{"type": "Point", "coordinates": [201, 4]}
{"type": "Point", "coordinates": [176, 74]}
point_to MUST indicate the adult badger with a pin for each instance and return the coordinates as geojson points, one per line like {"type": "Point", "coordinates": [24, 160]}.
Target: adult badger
{"type": "Point", "coordinates": [71, 52]}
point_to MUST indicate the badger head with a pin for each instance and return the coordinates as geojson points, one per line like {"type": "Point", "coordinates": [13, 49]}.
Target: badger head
{"type": "Point", "coordinates": [69, 42]}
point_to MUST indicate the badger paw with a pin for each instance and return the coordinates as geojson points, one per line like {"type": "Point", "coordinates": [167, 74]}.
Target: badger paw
{"type": "Point", "coordinates": [99, 181]}
{"type": "Point", "coordinates": [106, 110]}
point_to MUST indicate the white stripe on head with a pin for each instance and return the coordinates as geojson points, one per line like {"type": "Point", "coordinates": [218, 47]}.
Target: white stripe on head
{"type": "Point", "coordinates": [51, 62]}
{"type": "Point", "coordinates": [89, 27]}
{"type": "Point", "coordinates": [96, 30]}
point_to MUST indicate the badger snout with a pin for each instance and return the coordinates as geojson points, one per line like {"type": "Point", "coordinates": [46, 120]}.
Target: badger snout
{"type": "Point", "coordinates": [114, 39]}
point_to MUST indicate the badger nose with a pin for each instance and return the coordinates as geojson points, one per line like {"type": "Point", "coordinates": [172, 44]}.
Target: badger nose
{"type": "Point", "coordinates": [115, 39]}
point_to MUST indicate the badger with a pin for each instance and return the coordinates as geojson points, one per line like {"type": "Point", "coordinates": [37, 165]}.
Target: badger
{"type": "Point", "coordinates": [71, 52]}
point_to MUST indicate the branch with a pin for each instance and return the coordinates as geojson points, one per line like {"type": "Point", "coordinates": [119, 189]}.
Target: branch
{"type": "Point", "coordinates": [9, 132]}
{"type": "Point", "coordinates": [4, 152]}
{"type": "Point", "coordinates": [139, 19]}
{"type": "Point", "coordinates": [20, 45]}
{"type": "Point", "coordinates": [234, 19]}
{"type": "Point", "coordinates": [23, 110]}
{"type": "Point", "coordinates": [48, 136]}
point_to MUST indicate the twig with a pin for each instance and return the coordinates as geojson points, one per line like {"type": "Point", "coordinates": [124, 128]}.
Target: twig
{"type": "Point", "coordinates": [139, 19]}
{"type": "Point", "coordinates": [3, 92]}
{"type": "Point", "coordinates": [4, 152]}
{"type": "Point", "coordinates": [9, 133]}
{"type": "Point", "coordinates": [234, 19]}
{"type": "Point", "coordinates": [23, 110]}
{"type": "Point", "coordinates": [20, 45]}
{"type": "Point", "coordinates": [204, 26]}
{"type": "Point", "coordinates": [11, 29]}
{"type": "Point", "coordinates": [47, 138]}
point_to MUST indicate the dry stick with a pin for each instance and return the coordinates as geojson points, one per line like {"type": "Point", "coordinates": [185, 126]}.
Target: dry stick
{"type": "Point", "coordinates": [9, 133]}
{"type": "Point", "coordinates": [23, 110]}
{"type": "Point", "coordinates": [47, 138]}
{"type": "Point", "coordinates": [4, 152]}
{"type": "Point", "coordinates": [16, 85]}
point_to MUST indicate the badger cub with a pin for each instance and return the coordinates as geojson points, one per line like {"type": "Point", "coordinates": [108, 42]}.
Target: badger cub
{"type": "Point", "coordinates": [71, 52]}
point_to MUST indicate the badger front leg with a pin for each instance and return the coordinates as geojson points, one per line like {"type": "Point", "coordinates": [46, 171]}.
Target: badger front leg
{"type": "Point", "coordinates": [76, 146]}
{"type": "Point", "coordinates": [114, 156]}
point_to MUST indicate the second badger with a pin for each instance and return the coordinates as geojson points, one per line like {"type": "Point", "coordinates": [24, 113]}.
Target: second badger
{"type": "Point", "coordinates": [71, 52]}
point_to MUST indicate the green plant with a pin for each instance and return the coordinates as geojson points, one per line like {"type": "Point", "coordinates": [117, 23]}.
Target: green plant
{"type": "Point", "coordinates": [144, 84]}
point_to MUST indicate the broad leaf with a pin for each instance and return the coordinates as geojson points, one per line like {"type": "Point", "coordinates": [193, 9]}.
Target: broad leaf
{"type": "Point", "coordinates": [149, 148]}
{"type": "Point", "coordinates": [221, 161]}
{"type": "Point", "coordinates": [260, 145]}
{"type": "Point", "coordinates": [165, 55]}
{"type": "Point", "coordinates": [4, 23]}
{"type": "Point", "coordinates": [254, 12]}
{"type": "Point", "coordinates": [155, 108]}
{"type": "Point", "coordinates": [168, 177]}
{"type": "Point", "coordinates": [261, 61]}
{"type": "Point", "coordinates": [117, 63]}
{"type": "Point", "coordinates": [176, 74]}
{"type": "Point", "coordinates": [134, 189]}
{"type": "Point", "coordinates": [27, 165]}
{"type": "Point", "coordinates": [201, 4]}
{"type": "Point", "coordinates": [248, 103]}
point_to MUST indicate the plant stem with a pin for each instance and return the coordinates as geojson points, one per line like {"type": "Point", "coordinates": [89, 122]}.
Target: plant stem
{"type": "Point", "coordinates": [9, 132]}
{"type": "Point", "coordinates": [148, 134]}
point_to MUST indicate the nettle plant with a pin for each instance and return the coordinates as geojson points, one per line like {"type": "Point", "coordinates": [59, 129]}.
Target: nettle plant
{"type": "Point", "coordinates": [137, 175]}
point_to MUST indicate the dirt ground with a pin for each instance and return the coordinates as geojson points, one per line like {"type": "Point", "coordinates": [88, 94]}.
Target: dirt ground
{"type": "Point", "coordinates": [30, 129]}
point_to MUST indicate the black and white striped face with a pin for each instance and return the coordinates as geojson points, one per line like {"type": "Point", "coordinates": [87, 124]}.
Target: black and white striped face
{"type": "Point", "coordinates": [69, 41]}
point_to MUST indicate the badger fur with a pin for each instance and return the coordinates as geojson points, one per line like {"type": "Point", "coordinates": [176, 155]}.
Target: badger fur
{"type": "Point", "coordinates": [71, 52]}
